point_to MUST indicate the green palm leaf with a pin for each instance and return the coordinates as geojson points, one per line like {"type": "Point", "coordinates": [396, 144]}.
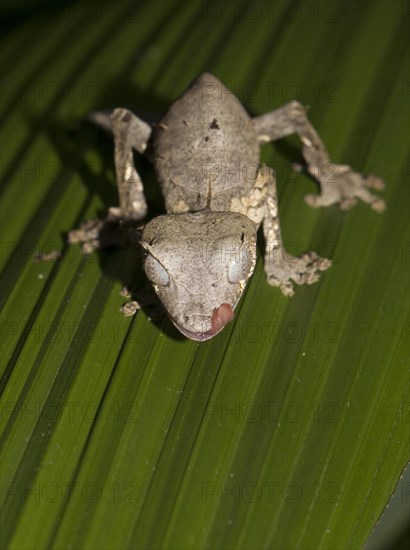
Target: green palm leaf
{"type": "Point", "coordinates": [290, 428]}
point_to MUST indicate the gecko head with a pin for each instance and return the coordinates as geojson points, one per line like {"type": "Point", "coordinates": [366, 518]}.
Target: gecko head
{"type": "Point", "coordinates": [198, 264]}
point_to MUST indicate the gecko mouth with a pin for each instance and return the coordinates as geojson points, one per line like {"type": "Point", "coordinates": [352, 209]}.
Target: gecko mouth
{"type": "Point", "coordinates": [220, 317]}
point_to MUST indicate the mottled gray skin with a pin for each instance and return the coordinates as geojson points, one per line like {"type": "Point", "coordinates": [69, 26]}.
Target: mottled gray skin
{"type": "Point", "coordinates": [202, 163]}
{"type": "Point", "coordinates": [208, 257]}
{"type": "Point", "coordinates": [205, 152]}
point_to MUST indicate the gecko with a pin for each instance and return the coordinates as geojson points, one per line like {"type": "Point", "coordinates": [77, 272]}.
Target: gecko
{"type": "Point", "coordinates": [205, 151]}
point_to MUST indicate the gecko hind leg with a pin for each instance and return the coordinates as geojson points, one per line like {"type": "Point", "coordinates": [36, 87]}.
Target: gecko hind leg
{"type": "Point", "coordinates": [338, 183]}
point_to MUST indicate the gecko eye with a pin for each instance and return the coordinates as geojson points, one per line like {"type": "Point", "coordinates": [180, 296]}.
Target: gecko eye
{"type": "Point", "coordinates": [156, 272]}
{"type": "Point", "coordinates": [239, 267]}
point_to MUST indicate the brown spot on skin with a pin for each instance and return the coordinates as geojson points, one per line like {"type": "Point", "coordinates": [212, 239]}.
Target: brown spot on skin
{"type": "Point", "coordinates": [214, 125]}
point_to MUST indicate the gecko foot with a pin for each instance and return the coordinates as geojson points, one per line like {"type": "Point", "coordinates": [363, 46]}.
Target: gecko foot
{"type": "Point", "coordinates": [139, 299]}
{"type": "Point", "coordinates": [340, 184]}
{"type": "Point", "coordinates": [133, 306]}
{"type": "Point", "coordinates": [130, 308]}
{"type": "Point", "coordinates": [303, 270]}
{"type": "Point", "coordinates": [98, 234]}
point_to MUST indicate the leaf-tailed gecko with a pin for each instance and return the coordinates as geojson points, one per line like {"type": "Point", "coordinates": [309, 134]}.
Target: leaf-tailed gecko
{"type": "Point", "coordinates": [205, 151]}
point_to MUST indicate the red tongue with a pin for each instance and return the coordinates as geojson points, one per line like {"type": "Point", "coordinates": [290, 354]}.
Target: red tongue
{"type": "Point", "coordinates": [220, 317]}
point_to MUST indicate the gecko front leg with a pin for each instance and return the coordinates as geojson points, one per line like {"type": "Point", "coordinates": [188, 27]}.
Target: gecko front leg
{"type": "Point", "coordinates": [282, 269]}
{"type": "Point", "coordinates": [338, 183]}
{"type": "Point", "coordinates": [130, 133]}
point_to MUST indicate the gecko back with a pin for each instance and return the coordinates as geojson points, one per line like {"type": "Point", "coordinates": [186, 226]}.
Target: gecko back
{"type": "Point", "coordinates": [205, 149]}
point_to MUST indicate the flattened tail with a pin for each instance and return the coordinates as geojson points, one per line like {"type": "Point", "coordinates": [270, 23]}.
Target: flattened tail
{"type": "Point", "coordinates": [101, 119]}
